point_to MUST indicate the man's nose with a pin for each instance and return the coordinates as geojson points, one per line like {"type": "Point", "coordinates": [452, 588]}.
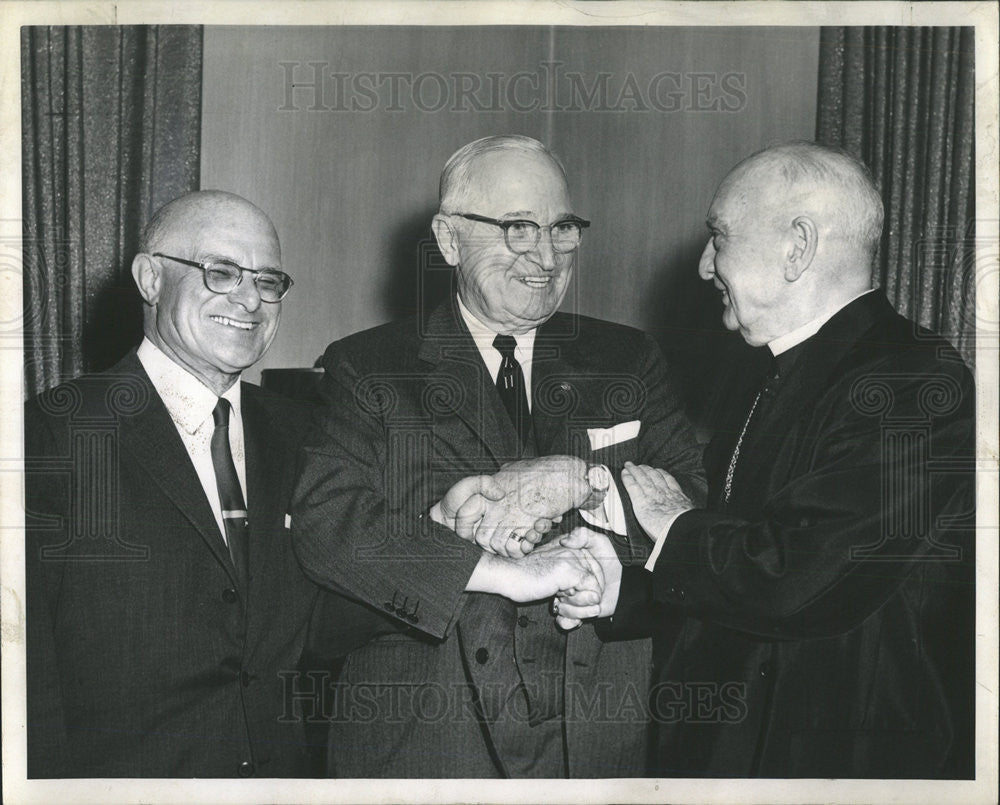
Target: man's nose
{"type": "Point", "coordinates": [545, 254]}
{"type": "Point", "coordinates": [246, 294]}
{"type": "Point", "coordinates": [706, 265]}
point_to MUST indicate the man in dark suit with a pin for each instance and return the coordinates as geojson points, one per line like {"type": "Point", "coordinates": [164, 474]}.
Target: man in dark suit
{"type": "Point", "coordinates": [485, 685]}
{"type": "Point", "coordinates": [827, 589]}
{"type": "Point", "coordinates": [166, 611]}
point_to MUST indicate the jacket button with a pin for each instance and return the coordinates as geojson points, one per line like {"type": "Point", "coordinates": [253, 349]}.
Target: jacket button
{"type": "Point", "coordinates": [229, 596]}
{"type": "Point", "coordinates": [764, 669]}
{"type": "Point", "coordinates": [482, 656]}
{"type": "Point", "coordinates": [523, 620]}
{"type": "Point", "coordinates": [245, 769]}
{"type": "Point", "coordinates": [245, 678]}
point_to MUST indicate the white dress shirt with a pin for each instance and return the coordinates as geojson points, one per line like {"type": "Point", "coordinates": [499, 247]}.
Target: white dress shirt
{"type": "Point", "coordinates": [483, 336]}
{"type": "Point", "coordinates": [190, 404]}
{"type": "Point", "coordinates": [611, 515]}
{"type": "Point", "coordinates": [782, 343]}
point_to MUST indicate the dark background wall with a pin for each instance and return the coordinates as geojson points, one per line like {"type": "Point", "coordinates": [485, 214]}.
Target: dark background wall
{"type": "Point", "coordinates": [341, 133]}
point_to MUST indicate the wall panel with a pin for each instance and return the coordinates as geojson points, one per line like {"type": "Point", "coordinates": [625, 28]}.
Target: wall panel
{"type": "Point", "coordinates": [646, 120]}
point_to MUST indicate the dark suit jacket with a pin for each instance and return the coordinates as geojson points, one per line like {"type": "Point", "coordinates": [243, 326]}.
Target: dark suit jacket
{"type": "Point", "coordinates": [145, 658]}
{"type": "Point", "coordinates": [411, 409]}
{"type": "Point", "coordinates": [829, 606]}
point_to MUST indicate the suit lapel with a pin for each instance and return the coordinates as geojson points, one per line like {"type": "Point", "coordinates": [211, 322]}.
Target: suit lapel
{"type": "Point", "coordinates": [150, 439]}
{"type": "Point", "coordinates": [460, 374]}
{"type": "Point", "coordinates": [557, 400]}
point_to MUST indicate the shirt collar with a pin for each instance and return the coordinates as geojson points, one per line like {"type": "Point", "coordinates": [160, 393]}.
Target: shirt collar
{"type": "Point", "coordinates": [188, 401]}
{"type": "Point", "coordinates": [785, 342]}
{"type": "Point", "coordinates": [483, 335]}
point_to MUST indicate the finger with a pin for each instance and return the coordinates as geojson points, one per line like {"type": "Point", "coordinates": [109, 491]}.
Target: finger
{"type": "Point", "coordinates": [669, 480]}
{"type": "Point", "coordinates": [542, 526]}
{"type": "Point", "coordinates": [507, 542]}
{"type": "Point", "coordinates": [533, 537]}
{"type": "Point", "coordinates": [579, 597]}
{"type": "Point", "coordinates": [578, 613]}
{"type": "Point", "coordinates": [568, 624]}
{"type": "Point", "coordinates": [468, 516]}
{"type": "Point", "coordinates": [595, 569]}
{"type": "Point", "coordinates": [578, 538]}
{"type": "Point", "coordinates": [636, 483]}
{"type": "Point", "coordinates": [490, 489]}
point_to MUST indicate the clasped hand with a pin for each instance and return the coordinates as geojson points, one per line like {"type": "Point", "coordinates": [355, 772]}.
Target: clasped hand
{"type": "Point", "coordinates": [508, 513]}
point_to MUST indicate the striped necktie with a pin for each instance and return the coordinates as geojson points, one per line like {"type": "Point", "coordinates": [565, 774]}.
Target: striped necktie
{"type": "Point", "coordinates": [234, 509]}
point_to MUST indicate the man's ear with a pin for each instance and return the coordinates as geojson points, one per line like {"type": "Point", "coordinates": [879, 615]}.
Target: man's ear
{"type": "Point", "coordinates": [447, 238]}
{"type": "Point", "coordinates": [148, 276]}
{"type": "Point", "coordinates": [802, 249]}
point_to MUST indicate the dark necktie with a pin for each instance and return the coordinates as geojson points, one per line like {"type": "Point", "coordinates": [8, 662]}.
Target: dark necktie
{"type": "Point", "coordinates": [234, 509]}
{"type": "Point", "coordinates": [766, 392]}
{"type": "Point", "coordinates": [510, 385]}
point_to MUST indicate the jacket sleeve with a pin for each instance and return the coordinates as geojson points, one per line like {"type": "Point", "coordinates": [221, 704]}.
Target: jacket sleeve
{"type": "Point", "coordinates": [359, 519]}
{"type": "Point", "coordinates": [46, 500]}
{"type": "Point", "coordinates": [838, 538]}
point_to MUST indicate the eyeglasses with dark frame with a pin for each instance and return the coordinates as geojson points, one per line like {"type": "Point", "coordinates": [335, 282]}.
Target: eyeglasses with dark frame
{"type": "Point", "coordinates": [522, 235]}
{"type": "Point", "coordinates": [222, 276]}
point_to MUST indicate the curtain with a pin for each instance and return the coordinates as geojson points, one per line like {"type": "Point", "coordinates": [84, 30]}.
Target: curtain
{"type": "Point", "coordinates": [902, 100]}
{"type": "Point", "coordinates": [111, 120]}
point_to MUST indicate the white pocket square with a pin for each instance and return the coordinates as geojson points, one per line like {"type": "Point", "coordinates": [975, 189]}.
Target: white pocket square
{"type": "Point", "coordinates": [288, 521]}
{"type": "Point", "coordinates": [605, 437]}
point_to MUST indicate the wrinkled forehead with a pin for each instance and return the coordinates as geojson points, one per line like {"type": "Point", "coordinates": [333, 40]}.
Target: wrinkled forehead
{"type": "Point", "coordinates": [513, 181]}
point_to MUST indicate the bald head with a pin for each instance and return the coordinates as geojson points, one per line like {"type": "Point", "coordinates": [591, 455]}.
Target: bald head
{"type": "Point", "coordinates": [794, 230]}
{"type": "Point", "coordinates": [188, 215]}
{"type": "Point", "coordinates": [827, 184]}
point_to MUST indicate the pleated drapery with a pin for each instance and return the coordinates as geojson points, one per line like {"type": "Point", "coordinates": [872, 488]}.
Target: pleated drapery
{"type": "Point", "coordinates": [902, 100]}
{"type": "Point", "coordinates": [111, 127]}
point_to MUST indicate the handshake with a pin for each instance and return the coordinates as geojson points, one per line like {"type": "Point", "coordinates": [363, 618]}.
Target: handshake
{"type": "Point", "coordinates": [508, 514]}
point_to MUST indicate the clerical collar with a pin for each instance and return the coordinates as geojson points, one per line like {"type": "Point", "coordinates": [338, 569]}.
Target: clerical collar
{"type": "Point", "coordinates": [188, 401]}
{"type": "Point", "coordinates": [785, 342]}
{"type": "Point", "coordinates": [483, 335]}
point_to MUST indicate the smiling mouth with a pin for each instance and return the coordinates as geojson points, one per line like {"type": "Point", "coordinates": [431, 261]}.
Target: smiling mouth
{"type": "Point", "coordinates": [535, 282]}
{"type": "Point", "coordinates": [239, 325]}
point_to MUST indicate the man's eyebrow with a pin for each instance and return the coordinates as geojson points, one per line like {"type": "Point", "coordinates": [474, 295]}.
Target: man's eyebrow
{"type": "Point", "coordinates": [217, 257]}
{"type": "Point", "coordinates": [713, 223]}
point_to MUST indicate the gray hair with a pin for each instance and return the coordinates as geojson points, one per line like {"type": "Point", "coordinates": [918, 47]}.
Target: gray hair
{"type": "Point", "coordinates": [850, 196]}
{"type": "Point", "coordinates": [456, 178]}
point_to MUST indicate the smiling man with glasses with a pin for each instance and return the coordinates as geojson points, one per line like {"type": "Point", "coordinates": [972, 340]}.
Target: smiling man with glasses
{"type": "Point", "coordinates": [164, 600]}
{"type": "Point", "coordinates": [473, 678]}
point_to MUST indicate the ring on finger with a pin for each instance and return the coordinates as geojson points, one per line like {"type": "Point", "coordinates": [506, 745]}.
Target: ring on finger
{"type": "Point", "coordinates": [515, 536]}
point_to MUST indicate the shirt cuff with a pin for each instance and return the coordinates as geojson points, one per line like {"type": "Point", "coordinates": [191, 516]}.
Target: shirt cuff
{"type": "Point", "coordinates": [660, 540]}
{"type": "Point", "coordinates": [610, 514]}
